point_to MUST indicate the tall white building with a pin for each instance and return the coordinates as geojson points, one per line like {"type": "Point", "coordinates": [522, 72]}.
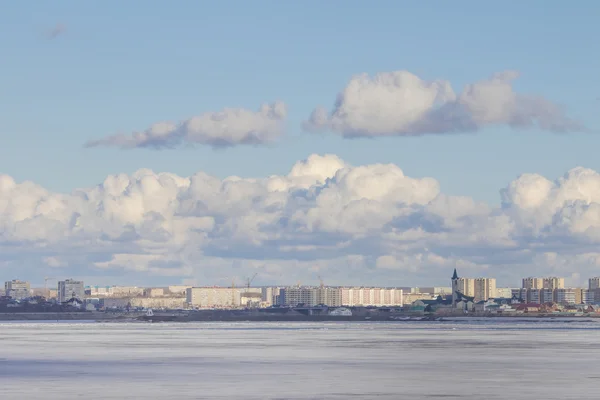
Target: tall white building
{"type": "Point", "coordinates": [484, 288]}
{"type": "Point", "coordinates": [17, 289]}
{"type": "Point", "coordinates": [466, 286]}
{"type": "Point", "coordinates": [69, 289]}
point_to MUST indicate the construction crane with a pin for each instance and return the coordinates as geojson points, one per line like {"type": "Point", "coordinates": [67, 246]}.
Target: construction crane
{"type": "Point", "coordinates": [249, 281]}
{"type": "Point", "coordinates": [233, 293]}
{"type": "Point", "coordinates": [46, 279]}
{"type": "Point", "coordinates": [46, 291]}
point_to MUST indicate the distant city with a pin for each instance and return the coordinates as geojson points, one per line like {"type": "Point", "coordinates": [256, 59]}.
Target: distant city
{"type": "Point", "coordinates": [536, 294]}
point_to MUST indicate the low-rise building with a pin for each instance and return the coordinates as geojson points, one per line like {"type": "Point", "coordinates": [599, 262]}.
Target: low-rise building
{"type": "Point", "coordinates": [99, 291]}
{"type": "Point", "coordinates": [220, 297]}
{"type": "Point", "coordinates": [154, 292]}
{"type": "Point", "coordinates": [127, 291]}
{"type": "Point", "coordinates": [179, 290]}
{"type": "Point", "coordinates": [159, 302]}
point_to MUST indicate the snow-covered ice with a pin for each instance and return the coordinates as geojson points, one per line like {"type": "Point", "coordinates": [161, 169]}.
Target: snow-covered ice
{"type": "Point", "coordinates": [414, 360]}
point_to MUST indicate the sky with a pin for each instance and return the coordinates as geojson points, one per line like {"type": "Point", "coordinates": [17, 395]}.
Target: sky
{"type": "Point", "coordinates": [381, 143]}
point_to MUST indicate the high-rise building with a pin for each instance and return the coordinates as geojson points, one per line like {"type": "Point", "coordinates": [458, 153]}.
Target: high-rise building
{"type": "Point", "coordinates": [553, 283]}
{"type": "Point", "coordinates": [17, 289]}
{"type": "Point", "coordinates": [69, 289]}
{"type": "Point", "coordinates": [466, 286]}
{"type": "Point", "coordinates": [533, 283]}
{"type": "Point", "coordinates": [484, 288]}
{"type": "Point", "coordinates": [594, 283]}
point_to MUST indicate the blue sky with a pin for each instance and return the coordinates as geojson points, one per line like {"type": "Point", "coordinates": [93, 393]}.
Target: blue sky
{"type": "Point", "coordinates": [118, 67]}
{"type": "Point", "coordinates": [121, 66]}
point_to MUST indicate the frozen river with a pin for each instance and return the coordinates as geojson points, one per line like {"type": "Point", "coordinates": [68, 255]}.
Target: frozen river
{"type": "Point", "coordinates": [404, 360]}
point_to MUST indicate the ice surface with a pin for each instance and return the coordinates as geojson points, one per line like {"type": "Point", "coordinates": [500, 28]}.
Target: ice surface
{"type": "Point", "coordinates": [489, 359]}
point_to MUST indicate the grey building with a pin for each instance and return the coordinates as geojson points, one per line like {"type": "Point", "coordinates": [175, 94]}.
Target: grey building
{"type": "Point", "coordinates": [17, 289]}
{"type": "Point", "coordinates": [69, 289]}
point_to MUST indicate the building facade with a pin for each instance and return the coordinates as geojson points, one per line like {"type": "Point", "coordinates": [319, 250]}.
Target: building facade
{"type": "Point", "coordinates": [466, 286]}
{"type": "Point", "coordinates": [100, 291]}
{"type": "Point", "coordinates": [547, 295]}
{"type": "Point", "coordinates": [554, 283]}
{"type": "Point", "coordinates": [127, 291]}
{"type": "Point", "coordinates": [484, 289]}
{"type": "Point", "coordinates": [564, 296]}
{"type": "Point", "coordinates": [17, 289]}
{"type": "Point", "coordinates": [341, 296]}
{"type": "Point", "coordinates": [69, 289]}
{"type": "Point", "coordinates": [533, 283]}
{"type": "Point", "coordinates": [218, 297]}
{"type": "Point", "coordinates": [594, 283]}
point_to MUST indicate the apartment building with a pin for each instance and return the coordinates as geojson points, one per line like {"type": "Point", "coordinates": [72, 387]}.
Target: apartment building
{"type": "Point", "coordinates": [127, 291]}
{"type": "Point", "coordinates": [466, 286]}
{"type": "Point", "coordinates": [484, 289]}
{"type": "Point", "coordinates": [547, 295]}
{"type": "Point", "coordinates": [594, 283]}
{"type": "Point", "coordinates": [564, 296]}
{"type": "Point", "coordinates": [554, 283]}
{"type": "Point", "coordinates": [100, 291]}
{"type": "Point", "coordinates": [17, 289]}
{"type": "Point", "coordinates": [69, 289]}
{"type": "Point", "coordinates": [434, 290]}
{"type": "Point", "coordinates": [504, 293]}
{"type": "Point", "coordinates": [295, 295]}
{"type": "Point", "coordinates": [341, 296]}
{"type": "Point", "coordinates": [533, 283]}
{"type": "Point", "coordinates": [218, 297]}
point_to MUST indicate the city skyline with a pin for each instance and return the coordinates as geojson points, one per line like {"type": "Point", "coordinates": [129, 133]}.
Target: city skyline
{"type": "Point", "coordinates": [216, 147]}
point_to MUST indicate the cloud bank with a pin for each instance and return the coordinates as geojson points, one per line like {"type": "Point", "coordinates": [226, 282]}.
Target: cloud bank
{"type": "Point", "coordinates": [367, 224]}
{"type": "Point", "coordinates": [227, 128]}
{"type": "Point", "coordinates": [402, 104]}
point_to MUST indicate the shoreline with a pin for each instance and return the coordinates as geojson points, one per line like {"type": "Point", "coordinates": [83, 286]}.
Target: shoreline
{"type": "Point", "coordinates": [228, 316]}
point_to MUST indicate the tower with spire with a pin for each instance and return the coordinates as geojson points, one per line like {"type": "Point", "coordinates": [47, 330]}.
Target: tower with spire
{"type": "Point", "coordinates": [454, 287]}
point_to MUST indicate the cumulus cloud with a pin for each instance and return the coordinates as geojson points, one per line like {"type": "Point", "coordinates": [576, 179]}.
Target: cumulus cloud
{"type": "Point", "coordinates": [368, 224]}
{"type": "Point", "coordinates": [402, 104]}
{"type": "Point", "coordinates": [226, 128]}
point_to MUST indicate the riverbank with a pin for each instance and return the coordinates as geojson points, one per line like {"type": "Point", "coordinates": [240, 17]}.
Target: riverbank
{"type": "Point", "coordinates": [256, 316]}
{"type": "Point", "coordinates": [68, 316]}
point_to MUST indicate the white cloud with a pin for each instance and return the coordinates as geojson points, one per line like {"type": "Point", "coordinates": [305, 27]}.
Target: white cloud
{"type": "Point", "coordinates": [229, 127]}
{"type": "Point", "coordinates": [402, 104]}
{"type": "Point", "coordinates": [367, 224]}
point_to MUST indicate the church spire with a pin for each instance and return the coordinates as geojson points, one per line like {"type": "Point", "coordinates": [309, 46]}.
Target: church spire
{"type": "Point", "coordinates": [455, 275]}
